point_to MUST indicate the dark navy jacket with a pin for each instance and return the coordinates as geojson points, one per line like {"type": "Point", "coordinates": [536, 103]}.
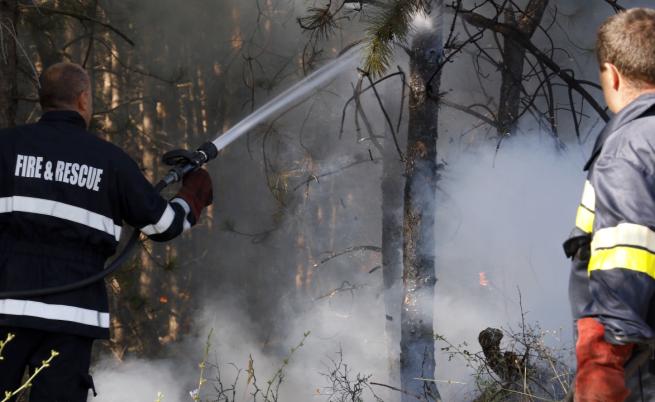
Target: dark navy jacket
{"type": "Point", "coordinates": [64, 195]}
{"type": "Point", "coordinates": [618, 213]}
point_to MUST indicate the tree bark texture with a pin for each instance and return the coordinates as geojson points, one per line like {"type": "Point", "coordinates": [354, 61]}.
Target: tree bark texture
{"type": "Point", "coordinates": [8, 62]}
{"type": "Point", "coordinates": [514, 52]}
{"type": "Point", "coordinates": [419, 277]}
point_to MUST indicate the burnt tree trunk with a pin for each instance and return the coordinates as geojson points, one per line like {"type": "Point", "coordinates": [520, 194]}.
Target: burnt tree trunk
{"type": "Point", "coordinates": [525, 22]}
{"type": "Point", "coordinates": [419, 278]}
{"type": "Point", "coordinates": [512, 77]}
{"type": "Point", "coordinates": [8, 62]}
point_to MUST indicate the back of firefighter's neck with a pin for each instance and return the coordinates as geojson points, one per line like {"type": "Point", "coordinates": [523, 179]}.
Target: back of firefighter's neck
{"type": "Point", "coordinates": [619, 91]}
{"type": "Point", "coordinates": [83, 105]}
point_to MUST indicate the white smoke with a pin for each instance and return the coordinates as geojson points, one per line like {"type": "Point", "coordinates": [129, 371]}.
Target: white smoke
{"type": "Point", "coordinates": [504, 217]}
{"type": "Point", "coordinates": [137, 381]}
{"type": "Point", "coordinates": [423, 22]}
{"type": "Point", "coordinates": [353, 325]}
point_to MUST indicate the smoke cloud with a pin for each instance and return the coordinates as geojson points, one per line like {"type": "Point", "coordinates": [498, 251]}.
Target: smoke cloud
{"type": "Point", "coordinates": [501, 222]}
{"type": "Point", "coordinates": [501, 219]}
{"type": "Point", "coordinates": [504, 215]}
{"type": "Point", "coordinates": [352, 326]}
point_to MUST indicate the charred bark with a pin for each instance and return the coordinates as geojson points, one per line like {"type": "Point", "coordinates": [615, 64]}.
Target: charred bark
{"type": "Point", "coordinates": [525, 22]}
{"type": "Point", "coordinates": [512, 77]}
{"type": "Point", "coordinates": [8, 62]}
{"type": "Point", "coordinates": [506, 364]}
{"type": "Point", "coordinates": [419, 277]}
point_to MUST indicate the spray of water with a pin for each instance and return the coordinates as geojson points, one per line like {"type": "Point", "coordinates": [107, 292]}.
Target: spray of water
{"type": "Point", "coordinates": [290, 97]}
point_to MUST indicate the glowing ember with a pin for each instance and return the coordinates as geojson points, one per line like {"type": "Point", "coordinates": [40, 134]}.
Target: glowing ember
{"type": "Point", "coordinates": [484, 282]}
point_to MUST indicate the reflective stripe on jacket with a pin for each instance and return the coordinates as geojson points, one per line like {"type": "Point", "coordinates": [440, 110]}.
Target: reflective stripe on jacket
{"type": "Point", "coordinates": [64, 194]}
{"type": "Point", "coordinates": [618, 211]}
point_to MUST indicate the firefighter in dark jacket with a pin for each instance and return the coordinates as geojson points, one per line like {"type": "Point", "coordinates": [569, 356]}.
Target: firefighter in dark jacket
{"type": "Point", "coordinates": [613, 245]}
{"type": "Point", "coordinates": [64, 195]}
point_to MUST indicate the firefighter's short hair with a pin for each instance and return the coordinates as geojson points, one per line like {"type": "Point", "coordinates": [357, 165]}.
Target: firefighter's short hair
{"type": "Point", "coordinates": [627, 40]}
{"type": "Point", "coordinates": [61, 84]}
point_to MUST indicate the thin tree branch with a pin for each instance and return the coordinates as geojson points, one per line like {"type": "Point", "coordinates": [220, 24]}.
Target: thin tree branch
{"type": "Point", "coordinates": [510, 31]}
{"type": "Point", "coordinates": [80, 17]}
{"type": "Point", "coordinates": [349, 250]}
{"type": "Point", "coordinates": [469, 110]}
{"type": "Point", "coordinates": [615, 5]}
{"type": "Point", "coordinates": [386, 116]}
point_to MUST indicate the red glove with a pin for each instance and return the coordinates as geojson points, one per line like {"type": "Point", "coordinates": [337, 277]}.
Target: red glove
{"type": "Point", "coordinates": [197, 191]}
{"type": "Point", "coordinates": [600, 376]}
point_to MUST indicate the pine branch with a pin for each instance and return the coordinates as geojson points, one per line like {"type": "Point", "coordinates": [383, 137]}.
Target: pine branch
{"type": "Point", "coordinates": [320, 21]}
{"type": "Point", "coordinates": [388, 27]}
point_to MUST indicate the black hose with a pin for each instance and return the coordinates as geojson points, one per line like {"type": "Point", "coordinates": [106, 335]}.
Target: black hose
{"type": "Point", "coordinates": [110, 269]}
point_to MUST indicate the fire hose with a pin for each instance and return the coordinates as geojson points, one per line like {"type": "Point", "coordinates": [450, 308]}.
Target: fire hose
{"type": "Point", "coordinates": [181, 162]}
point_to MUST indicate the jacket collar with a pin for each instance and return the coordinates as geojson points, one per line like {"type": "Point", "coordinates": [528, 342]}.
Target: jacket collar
{"type": "Point", "coordinates": [645, 104]}
{"type": "Point", "coordinates": [64, 116]}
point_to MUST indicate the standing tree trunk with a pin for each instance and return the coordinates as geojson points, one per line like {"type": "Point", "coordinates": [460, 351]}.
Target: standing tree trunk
{"type": "Point", "coordinates": [417, 333]}
{"type": "Point", "coordinates": [514, 61]}
{"type": "Point", "coordinates": [8, 62]}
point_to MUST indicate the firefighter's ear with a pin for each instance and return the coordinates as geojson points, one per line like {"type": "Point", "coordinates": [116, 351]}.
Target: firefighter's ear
{"type": "Point", "coordinates": [610, 76]}
{"type": "Point", "coordinates": [612, 83]}
{"type": "Point", "coordinates": [83, 101]}
{"type": "Point", "coordinates": [85, 105]}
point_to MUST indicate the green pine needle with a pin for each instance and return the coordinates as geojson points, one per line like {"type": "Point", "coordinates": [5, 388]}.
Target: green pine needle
{"type": "Point", "coordinates": [389, 26]}
{"type": "Point", "coordinates": [320, 21]}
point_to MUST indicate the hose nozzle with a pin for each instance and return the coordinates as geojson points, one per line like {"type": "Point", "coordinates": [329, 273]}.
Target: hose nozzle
{"type": "Point", "coordinates": [184, 161]}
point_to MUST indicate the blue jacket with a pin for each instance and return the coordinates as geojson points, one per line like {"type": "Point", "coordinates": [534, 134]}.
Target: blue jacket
{"type": "Point", "coordinates": [617, 214]}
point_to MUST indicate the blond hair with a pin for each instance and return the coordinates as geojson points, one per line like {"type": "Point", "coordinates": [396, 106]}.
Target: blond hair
{"type": "Point", "coordinates": [627, 40]}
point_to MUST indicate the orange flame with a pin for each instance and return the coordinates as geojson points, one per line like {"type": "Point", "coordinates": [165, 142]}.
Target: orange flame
{"type": "Point", "coordinates": [484, 282]}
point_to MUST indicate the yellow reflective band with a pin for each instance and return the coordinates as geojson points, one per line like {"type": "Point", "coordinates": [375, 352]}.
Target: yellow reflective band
{"type": "Point", "coordinates": [624, 234]}
{"type": "Point", "coordinates": [630, 258]}
{"type": "Point", "coordinates": [584, 220]}
{"type": "Point", "coordinates": [589, 196]}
